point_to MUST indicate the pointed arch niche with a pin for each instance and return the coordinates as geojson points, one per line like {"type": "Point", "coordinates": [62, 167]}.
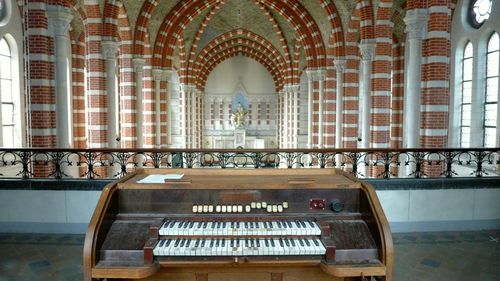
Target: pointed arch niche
{"type": "Point", "coordinates": [240, 80]}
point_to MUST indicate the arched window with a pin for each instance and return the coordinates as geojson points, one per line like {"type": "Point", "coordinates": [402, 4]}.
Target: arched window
{"type": "Point", "coordinates": [465, 106]}
{"type": "Point", "coordinates": [7, 96]}
{"type": "Point", "coordinates": [491, 100]}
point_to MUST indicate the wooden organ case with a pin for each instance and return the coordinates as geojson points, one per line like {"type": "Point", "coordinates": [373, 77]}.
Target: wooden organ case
{"type": "Point", "coordinates": [238, 224]}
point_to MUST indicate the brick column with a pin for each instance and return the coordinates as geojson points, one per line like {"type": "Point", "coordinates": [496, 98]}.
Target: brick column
{"type": "Point", "coordinates": [139, 107]}
{"type": "Point", "coordinates": [295, 114]}
{"type": "Point", "coordinates": [109, 50]}
{"type": "Point", "coordinates": [321, 79]}
{"type": "Point", "coordinates": [416, 22]}
{"type": "Point", "coordinates": [367, 50]}
{"type": "Point", "coordinates": [339, 108]}
{"type": "Point", "coordinates": [436, 76]}
{"type": "Point", "coordinates": [310, 88]}
{"type": "Point", "coordinates": [398, 65]}
{"type": "Point", "coordinates": [159, 75]}
{"type": "Point", "coordinates": [60, 20]}
{"type": "Point", "coordinates": [167, 108]}
{"type": "Point", "coordinates": [194, 120]}
{"type": "Point", "coordinates": [286, 108]}
{"type": "Point", "coordinates": [183, 104]}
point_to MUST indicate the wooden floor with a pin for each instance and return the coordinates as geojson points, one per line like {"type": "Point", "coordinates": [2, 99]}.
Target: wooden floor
{"type": "Point", "coordinates": [457, 256]}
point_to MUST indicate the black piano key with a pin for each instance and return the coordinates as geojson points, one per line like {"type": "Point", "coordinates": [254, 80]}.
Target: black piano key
{"type": "Point", "coordinates": [281, 242]}
{"type": "Point", "coordinates": [161, 243]}
{"type": "Point", "coordinates": [289, 224]}
{"type": "Point", "coordinates": [301, 242]}
{"type": "Point", "coordinates": [258, 242]}
{"type": "Point", "coordinates": [212, 242]}
{"type": "Point", "coordinates": [292, 242]}
{"type": "Point", "coordinates": [177, 242]}
{"type": "Point", "coordinates": [272, 243]}
{"type": "Point", "coordinates": [315, 242]}
{"type": "Point", "coordinates": [307, 242]}
{"type": "Point", "coordinates": [266, 242]}
{"type": "Point", "coordinates": [197, 243]}
{"type": "Point", "coordinates": [303, 224]}
{"type": "Point", "coordinates": [287, 242]}
{"type": "Point", "coordinates": [203, 243]}
{"type": "Point", "coordinates": [311, 223]}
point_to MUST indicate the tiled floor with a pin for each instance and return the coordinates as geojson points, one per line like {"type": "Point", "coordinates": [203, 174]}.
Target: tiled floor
{"type": "Point", "coordinates": [446, 256]}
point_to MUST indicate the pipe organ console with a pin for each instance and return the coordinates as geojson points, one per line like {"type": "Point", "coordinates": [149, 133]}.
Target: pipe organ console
{"type": "Point", "coordinates": [238, 224]}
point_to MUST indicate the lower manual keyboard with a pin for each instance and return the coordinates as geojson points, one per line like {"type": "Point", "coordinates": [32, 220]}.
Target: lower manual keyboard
{"type": "Point", "coordinates": [239, 247]}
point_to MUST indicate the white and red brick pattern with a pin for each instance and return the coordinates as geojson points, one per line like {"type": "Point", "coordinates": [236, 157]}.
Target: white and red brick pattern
{"type": "Point", "coordinates": [112, 23]}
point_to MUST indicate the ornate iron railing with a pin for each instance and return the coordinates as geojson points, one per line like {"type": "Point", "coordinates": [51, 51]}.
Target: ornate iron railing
{"type": "Point", "coordinates": [381, 163]}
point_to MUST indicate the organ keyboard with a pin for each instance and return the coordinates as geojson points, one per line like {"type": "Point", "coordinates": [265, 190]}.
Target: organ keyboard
{"type": "Point", "coordinates": [259, 224]}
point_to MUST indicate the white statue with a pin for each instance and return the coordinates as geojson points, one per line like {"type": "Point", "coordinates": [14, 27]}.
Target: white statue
{"type": "Point", "coordinates": [238, 118]}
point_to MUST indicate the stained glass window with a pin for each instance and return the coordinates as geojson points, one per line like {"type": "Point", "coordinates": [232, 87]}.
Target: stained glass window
{"type": "Point", "coordinates": [480, 11]}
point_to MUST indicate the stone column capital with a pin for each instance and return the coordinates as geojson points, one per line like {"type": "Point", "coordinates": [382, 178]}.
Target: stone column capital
{"type": "Point", "coordinates": [294, 88]}
{"type": "Point", "coordinates": [198, 93]}
{"type": "Point", "coordinates": [109, 49]}
{"type": "Point", "coordinates": [339, 64]}
{"type": "Point", "coordinates": [311, 74]}
{"type": "Point", "coordinates": [60, 19]}
{"type": "Point", "coordinates": [416, 23]}
{"type": "Point", "coordinates": [367, 50]}
{"type": "Point", "coordinates": [159, 74]}
{"type": "Point", "coordinates": [138, 64]}
{"type": "Point", "coordinates": [321, 74]}
{"type": "Point", "coordinates": [168, 72]}
{"type": "Point", "coordinates": [187, 88]}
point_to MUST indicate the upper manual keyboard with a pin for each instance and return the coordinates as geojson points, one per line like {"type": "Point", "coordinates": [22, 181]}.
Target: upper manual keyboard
{"type": "Point", "coordinates": [239, 228]}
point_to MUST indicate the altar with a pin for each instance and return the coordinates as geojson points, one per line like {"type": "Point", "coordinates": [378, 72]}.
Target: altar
{"type": "Point", "coordinates": [239, 121]}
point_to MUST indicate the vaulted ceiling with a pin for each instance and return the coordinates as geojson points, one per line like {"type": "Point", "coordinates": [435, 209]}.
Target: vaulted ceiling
{"type": "Point", "coordinates": [247, 15]}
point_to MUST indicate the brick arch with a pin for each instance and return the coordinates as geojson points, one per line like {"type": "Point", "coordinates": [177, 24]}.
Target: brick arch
{"type": "Point", "coordinates": [304, 24]}
{"type": "Point", "coordinates": [242, 37]}
{"type": "Point", "coordinates": [336, 39]}
{"type": "Point", "coordinates": [176, 20]}
{"type": "Point", "coordinates": [188, 62]}
{"type": "Point", "coordinates": [172, 28]}
{"type": "Point", "coordinates": [278, 60]}
{"type": "Point", "coordinates": [110, 18]}
{"type": "Point", "coordinates": [367, 19]}
{"type": "Point", "coordinates": [203, 61]}
{"type": "Point", "coordinates": [65, 3]}
{"type": "Point", "coordinates": [235, 51]}
{"type": "Point", "coordinates": [284, 43]}
{"type": "Point", "coordinates": [262, 58]}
